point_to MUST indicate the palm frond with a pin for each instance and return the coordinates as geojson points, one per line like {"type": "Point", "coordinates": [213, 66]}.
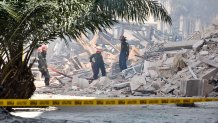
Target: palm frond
{"type": "Point", "coordinates": [90, 22]}
{"type": "Point", "coordinates": [134, 10]}
{"type": "Point", "coordinates": [7, 8]}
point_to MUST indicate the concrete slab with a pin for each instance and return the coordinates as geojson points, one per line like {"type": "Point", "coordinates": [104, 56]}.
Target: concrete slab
{"type": "Point", "coordinates": [179, 45]}
{"type": "Point", "coordinates": [191, 88]}
{"type": "Point", "coordinates": [153, 74]}
{"type": "Point", "coordinates": [136, 82]}
{"type": "Point", "coordinates": [156, 85]}
{"type": "Point", "coordinates": [204, 53]}
{"type": "Point", "coordinates": [166, 89]}
{"type": "Point", "coordinates": [121, 85]}
{"type": "Point", "coordinates": [209, 73]}
{"type": "Point", "coordinates": [209, 62]}
{"type": "Point", "coordinates": [80, 82]}
{"type": "Point", "coordinates": [196, 87]}
{"type": "Point", "coordinates": [196, 46]}
{"type": "Point", "coordinates": [134, 85]}
{"type": "Point", "coordinates": [207, 88]}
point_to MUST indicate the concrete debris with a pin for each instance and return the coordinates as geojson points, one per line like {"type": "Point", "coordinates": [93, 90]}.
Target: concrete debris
{"type": "Point", "coordinates": [153, 74]}
{"type": "Point", "coordinates": [75, 88]}
{"type": "Point", "coordinates": [191, 71]}
{"type": "Point", "coordinates": [210, 62]}
{"type": "Point", "coordinates": [156, 85]}
{"type": "Point", "coordinates": [178, 62]}
{"type": "Point", "coordinates": [196, 88]}
{"type": "Point", "coordinates": [168, 89]}
{"type": "Point", "coordinates": [149, 90]}
{"type": "Point", "coordinates": [216, 89]}
{"type": "Point", "coordinates": [121, 85]}
{"type": "Point", "coordinates": [209, 73]}
{"type": "Point", "coordinates": [196, 46]}
{"type": "Point", "coordinates": [187, 68]}
{"type": "Point", "coordinates": [190, 88]}
{"type": "Point", "coordinates": [136, 83]}
{"type": "Point", "coordinates": [80, 82]}
{"type": "Point", "coordinates": [128, 73]}
{"type": "Point", "coordinates": [206, 88]}
{"type": "Point", "coordinates": [204, 47]}
{"type": "Point", "coordinates": [204, 53]}
{"type": "Point", "coordinates": [101, 83]}
{"type": "Point", "coordinates": [170, 46]}
{"type": "Point", "coordinates": [114, 70]}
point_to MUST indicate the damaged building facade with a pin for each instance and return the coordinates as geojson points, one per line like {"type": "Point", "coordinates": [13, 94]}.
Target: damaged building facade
{"type": "Point", "coordinates": [156, 67]}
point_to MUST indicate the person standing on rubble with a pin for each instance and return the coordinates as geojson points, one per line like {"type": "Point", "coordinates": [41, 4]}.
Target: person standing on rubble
{"type": "Point", "coordinates": [42, 63]}
{"type": "Point", "coordinates": [124, 53]}
{"type": "Point", "coordinates": [97, 63]}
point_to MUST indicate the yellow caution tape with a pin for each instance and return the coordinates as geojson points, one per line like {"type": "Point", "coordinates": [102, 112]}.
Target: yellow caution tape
{"type": "Point", "coordinates": [101, 102]}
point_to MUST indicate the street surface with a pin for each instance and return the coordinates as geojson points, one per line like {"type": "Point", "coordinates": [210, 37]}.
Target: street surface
{"type": "Point", "coordinates": [203, 113]}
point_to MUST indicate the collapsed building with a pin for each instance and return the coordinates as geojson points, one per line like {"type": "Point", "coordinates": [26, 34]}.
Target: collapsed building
{"type": "Point", "coordinates": [156, 65]}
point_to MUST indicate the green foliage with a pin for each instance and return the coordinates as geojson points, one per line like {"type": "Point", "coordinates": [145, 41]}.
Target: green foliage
{"type": "Point", "coordinates": [134, 10]}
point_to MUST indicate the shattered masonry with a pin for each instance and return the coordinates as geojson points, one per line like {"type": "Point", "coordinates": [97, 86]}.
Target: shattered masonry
{"type": "Point", "coordinates": [155, 68]}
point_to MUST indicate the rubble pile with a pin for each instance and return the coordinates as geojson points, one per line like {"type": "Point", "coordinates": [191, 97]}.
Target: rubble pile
{"type": "Point", "coordinates": [187, 68]}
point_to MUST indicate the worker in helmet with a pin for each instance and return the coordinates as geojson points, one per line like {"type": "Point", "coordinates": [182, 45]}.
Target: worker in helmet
{"type": "Point", "coordinates": [42, 63]}
{"type": "Point", "coordinates": [124, 53]}
{"type": "Point", "coordinates": [97, 63]}
{"type": "Point", "coordinates": [44, 50]}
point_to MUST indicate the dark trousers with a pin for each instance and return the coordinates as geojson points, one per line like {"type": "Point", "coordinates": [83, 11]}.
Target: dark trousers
{"type": "Point", "coordinates": [95, 69]}
{"type": "Point", "coordinates": [46, 74]}
{"type": "Point", "coordinates": [122, 61]}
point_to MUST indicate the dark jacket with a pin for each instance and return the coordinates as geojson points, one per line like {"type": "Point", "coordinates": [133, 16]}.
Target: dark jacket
{"type": "Point", "coordinates": [96, 58]}
{"type": "Point", "coordinates": [44, 54]}
{"type": "Point", "coordinates": [125, 48]}
{"type": "Point", "coordinates": [42, 65]}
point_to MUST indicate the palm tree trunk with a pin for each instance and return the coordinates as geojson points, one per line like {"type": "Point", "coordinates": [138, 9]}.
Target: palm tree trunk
{"type": "Point", "coordinates": [17, 83]}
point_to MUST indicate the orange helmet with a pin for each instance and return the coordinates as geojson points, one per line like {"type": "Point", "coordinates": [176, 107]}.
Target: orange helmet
{"type": "Point", "coordinates": [44, 47]}
{"type": "Point", "coordinates": [99, 49]}
{"type": "Point", "coordinates": [39, 49]}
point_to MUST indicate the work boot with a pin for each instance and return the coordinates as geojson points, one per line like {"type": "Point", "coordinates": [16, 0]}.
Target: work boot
{"type": "Point", "coordinates": [47, 81]}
